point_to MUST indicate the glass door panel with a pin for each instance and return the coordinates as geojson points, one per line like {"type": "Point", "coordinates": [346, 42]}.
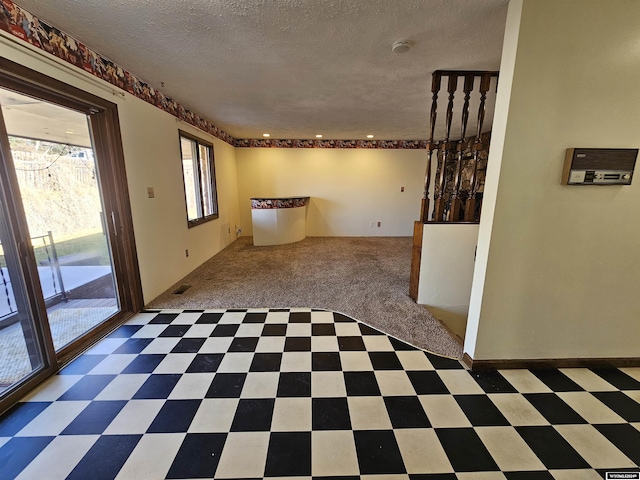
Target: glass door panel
{"type": "Point", "coordinates": [60, 191]}
{"type": "Point", "coordinates": [20, 353]}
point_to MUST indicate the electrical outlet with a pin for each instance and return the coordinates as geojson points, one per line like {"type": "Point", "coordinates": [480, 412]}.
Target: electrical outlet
{"type": "Point", "coordinates": [379, 224]}
{"type": "Point", "coordinates": [371, 224]}
{"type": "Point", "coordinates": [186, 253]}
{"type": "Point", "coordinates": [151, 193]}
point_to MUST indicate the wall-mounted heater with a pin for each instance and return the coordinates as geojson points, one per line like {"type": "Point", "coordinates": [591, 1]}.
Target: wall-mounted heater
{"type": "Point", "coordinates": [599, 166]}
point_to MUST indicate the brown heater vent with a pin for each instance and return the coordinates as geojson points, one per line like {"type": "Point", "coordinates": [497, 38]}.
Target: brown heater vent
{"type": "Point", "coordinates": [181, 289]}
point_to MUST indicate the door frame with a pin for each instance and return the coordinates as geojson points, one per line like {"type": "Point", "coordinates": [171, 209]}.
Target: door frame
{"type": "Point", "coordinates": [110, 165]}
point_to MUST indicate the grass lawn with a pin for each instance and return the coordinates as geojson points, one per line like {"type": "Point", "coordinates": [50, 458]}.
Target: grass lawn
{"type": "Point", "coordinates": [93, 245]}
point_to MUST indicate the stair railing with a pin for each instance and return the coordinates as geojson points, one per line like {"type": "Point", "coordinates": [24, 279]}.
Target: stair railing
{"type": "Point", "coordinates": [452, 201]}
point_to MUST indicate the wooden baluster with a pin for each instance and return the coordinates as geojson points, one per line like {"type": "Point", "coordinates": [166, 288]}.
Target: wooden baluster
{"type": "Point", "coordinates": [454, 213]}
{"type": "Point", "coordinates": [444, 151]}
{"type": "Point", "coordinates": [470, 207]}
{"type": "Point", "coordinates": [435, 89]}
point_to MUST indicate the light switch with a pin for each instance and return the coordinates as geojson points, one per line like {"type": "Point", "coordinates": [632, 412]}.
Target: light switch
{"type": "Point", "coordinates": [150, 192]}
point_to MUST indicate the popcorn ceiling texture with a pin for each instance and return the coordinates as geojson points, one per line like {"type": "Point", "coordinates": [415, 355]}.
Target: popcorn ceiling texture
{"type": "Point", "coordinates": [366, 278]}
{"type": "Point", "coordinates": [292, 68]}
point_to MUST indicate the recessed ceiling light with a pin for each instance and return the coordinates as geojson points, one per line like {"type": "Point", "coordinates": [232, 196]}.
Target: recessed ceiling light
{"type": "Point", "coordinates": [266, 135]}
{"type": "Point", "coordinates": [69, 131]}
{"type": "Point", "coordinates": [369, 136]}
{"type": "Point", "coordinates": [318, 136]}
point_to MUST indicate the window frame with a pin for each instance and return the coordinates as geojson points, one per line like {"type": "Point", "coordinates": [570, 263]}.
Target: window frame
{"type": "Point", "coordinates": [110, 162]}
{"type": "Point", "coordinates": [198, 190]}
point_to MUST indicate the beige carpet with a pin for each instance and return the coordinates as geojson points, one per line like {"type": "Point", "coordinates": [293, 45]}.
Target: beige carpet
{"type": "Point", "coordinates": [366, 278]}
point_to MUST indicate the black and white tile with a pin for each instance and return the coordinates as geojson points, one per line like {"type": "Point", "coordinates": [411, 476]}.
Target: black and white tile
{"type": "Point", "coordinates": [308, 394]}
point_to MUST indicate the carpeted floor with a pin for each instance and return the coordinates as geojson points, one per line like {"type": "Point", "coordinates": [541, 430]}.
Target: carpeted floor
{"type": "Point", "coordinates": [364, 277]}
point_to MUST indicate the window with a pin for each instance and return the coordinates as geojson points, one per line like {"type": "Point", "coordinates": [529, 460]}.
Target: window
{"type": "Point", "coordinates": [199, 177]}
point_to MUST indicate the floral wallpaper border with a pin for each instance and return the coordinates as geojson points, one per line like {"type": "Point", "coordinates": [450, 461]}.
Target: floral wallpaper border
{"type": "Point", "coordinates": [271, 203]}
{"type": "Point", "coordinates": [26, 26]}
{"type": "Point", "coordinates": [385, 144]}
{"type": "Point", "coordinates": [22, 24]}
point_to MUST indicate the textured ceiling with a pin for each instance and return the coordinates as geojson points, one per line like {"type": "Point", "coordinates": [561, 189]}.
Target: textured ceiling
{"type": "Point", "coordinates": [292, 68]}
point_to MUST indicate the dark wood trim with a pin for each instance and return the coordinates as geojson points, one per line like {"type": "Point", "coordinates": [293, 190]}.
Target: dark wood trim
{"type": "Point", "coordinates": [566, 168]}
{"type": "Point", "coordinates": [31, 306]}
{"type": "Point", "coordinates": [16, 76]}
{"type": "Point", "coordinates": [111, 171]}
{"type": "Point", "coordinates": [550, 363]}
{"type": "Point", "coordinates": [475, 73]}
{"type": "Point", "coordinates": [195, 138]}
{"type": "Point", "coordinates": [214, 186]}
{"type": "Point", "coordinates": [451, 223]}
{"type": "Point", "coordinates": [199, 221]}
{"type": "Point", "coordinates": [65, 356]}
{"type": "Point", "coordinates": [71, 351]}
{"type": "Point", "coordinates": [21, 388]}
{"type": "Point", "coordinates": [424, 205]}
{"type": "Point", "coordinates": [467, 361]}
{"type": "Point", "coordinates": [106, 129]}
{"type": "Point", "coordinates": [416, 257]}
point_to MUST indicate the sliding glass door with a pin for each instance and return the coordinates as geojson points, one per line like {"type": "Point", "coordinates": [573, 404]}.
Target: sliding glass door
{"type": "Point", "coordinates": [67, 261]}
{"type": "Point", "coordinates": [21, 353]}
{"type": "Point", "coordinates": [54, 163]}
{"type": "Point", "coordinates": [25, 343]}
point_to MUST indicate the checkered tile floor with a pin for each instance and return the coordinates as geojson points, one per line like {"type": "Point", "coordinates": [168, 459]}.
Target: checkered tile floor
{"type": "Point", "coordinates": [310, 394]}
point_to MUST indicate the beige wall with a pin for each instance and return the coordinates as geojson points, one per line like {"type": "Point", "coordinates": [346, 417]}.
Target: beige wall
{"type": "Point", "coordinates": [348, 188]}
{"type": "Point", "coordinates": [152, 154]}
{"type": "Point", "coordinates": [152, 157]}
{"type": "Point", "coordinates": [446, 272]}
{"type": "Point", "coordinates": [558, 267]}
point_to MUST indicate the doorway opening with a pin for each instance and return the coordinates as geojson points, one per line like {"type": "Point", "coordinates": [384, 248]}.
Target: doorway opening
{"type": "Point", "coordinates": [68, 269]}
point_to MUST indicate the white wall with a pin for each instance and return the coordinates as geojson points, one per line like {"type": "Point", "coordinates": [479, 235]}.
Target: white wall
{"type": "Point", "coordinates": [278, 226]}
{"type": "Point", "coordinates": [348, 188]}
{"type": "Point", "coordinates": [558, 267]}
{"type": "Point", "coordinates": [446, 271]}
{"type": "Point", "coordinates": [152, 158]}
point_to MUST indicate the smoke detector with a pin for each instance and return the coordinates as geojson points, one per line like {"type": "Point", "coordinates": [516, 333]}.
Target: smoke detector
{"type": "Point", "coordinates": [401, 46]}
